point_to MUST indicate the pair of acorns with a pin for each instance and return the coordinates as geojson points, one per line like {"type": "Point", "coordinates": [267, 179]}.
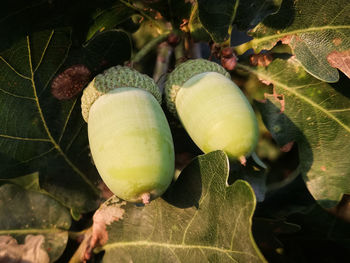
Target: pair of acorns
{"type": "Point", "coordinates": [130, 138]}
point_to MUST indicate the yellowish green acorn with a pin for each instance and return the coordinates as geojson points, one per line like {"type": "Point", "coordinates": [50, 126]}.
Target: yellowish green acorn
{"type": "Point", "coordinates": [129, 136]}
{"type": "Point", "coordinates": [212, 109]}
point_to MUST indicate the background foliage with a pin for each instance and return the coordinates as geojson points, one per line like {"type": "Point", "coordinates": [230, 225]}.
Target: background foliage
{"type": "Point", "coordinates": [293, 65]}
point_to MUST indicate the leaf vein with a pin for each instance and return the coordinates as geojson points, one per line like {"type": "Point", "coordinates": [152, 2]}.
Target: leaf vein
{"type": "Point", "coordinates": [177, 246]}
{"type": "Point", "coordinates": [235, 228]}
{"type": "Point", "coordinates": [175, 255]}
{"type": "Point", "coordinates": [44, 51]}
{"type": "Point", "coordinates": [202, 252]}
{"type": "Point", "coordinates": [24, 138]}
{"type": "Point", "coordinates": [14, 70]}
{"type": "Point", "coordinates": [55, 144]}
{"type": "Point", "coordinates": [67, 120]}
{"type": "Point", "coordinates": [328, 98]}
{"type": "Point", "coordinates": [339, 110]}
{"type": "Point", "coordinates": [290, 89]}
{"type": "Point", "coordinates": [306, 85]}
{"type": "Point", "coordinates": [197, 211]}
{"type": "Point", "coordinates": [38, 156]}
{"type": "Point", "coordinates": [297, 31]}
{"type": "Point", "coordinates": [15, 95]}
{"type": "Point", "coordinates": [318, 59]}
{"type": "Point", "coordinates": [339, 13]}
{"type": "Point", "coordinates": [227, 254]}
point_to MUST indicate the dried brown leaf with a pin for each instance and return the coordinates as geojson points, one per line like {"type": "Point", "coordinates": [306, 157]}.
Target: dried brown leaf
{"type": "Point", "coordinates": [340, 60]}
{"type": "Point", "coordinates": [29, 252]}
{"type": "Point", "coordinates": [108, 212]}
{"type": "Point", "coordinates": [261, 59]}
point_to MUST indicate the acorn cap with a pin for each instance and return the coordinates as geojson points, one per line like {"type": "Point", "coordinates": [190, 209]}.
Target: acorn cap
{"type": "Point", "coordinates": [184, 72]}
{"type": "Point", "coordinates": [113, 78]}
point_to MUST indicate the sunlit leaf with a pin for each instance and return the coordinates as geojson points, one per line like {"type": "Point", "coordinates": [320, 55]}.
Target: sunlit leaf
{"type": "Point", "coordinates": [200, 219]}
{"type": "Point", "coordinates": [316, 116]}
{"type": "Point", "coordinates": [318, 32]}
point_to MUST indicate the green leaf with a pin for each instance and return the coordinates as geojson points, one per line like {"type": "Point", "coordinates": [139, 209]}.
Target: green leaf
{"type": "Point", "coordinates": [109, 18]}
{"type": "Point", "coordinates": [21, 17]}
{"type": "Point", "coordinates": [39, 132]}
{"type": "Point", "coordinates": [106, 49]}
{"type": "Point", "coordinates": [316, 116]}
{"type": "Point", "coordinates": [217, 17]}
{"type": "Point", "coordinates": [318, 32]}
{"type": "Point", "coordinates": [198, 32]}
{"type": "Point", "coordinates": [31, 182]}
{"type": "Point", "coordinates": [252, 12]}
{"type": "Point", "coordinates": [24, 212]}
{"type": "Point", "coordinates": [24, 13]}
{"type": "Point", "coordinates": [28, 182]}
{"type": "Point", "coordinates": [173, 11]}
{"type": "Point", "coordinates": [200, 219]}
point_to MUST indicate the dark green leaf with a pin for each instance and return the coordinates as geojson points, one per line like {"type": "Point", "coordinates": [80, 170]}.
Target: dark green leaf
{"type": "Point", "coordinates": [39, 132]}
{"type": "Point", "coordinates": [202, 220]}
{"type": "Point", "coordinates": [267, 231]}
{"type": "Point", "coordinates": [28, 182]}
{"type": "Point", "coordinates": [31, 182]}
{"type": "Point", "coordinates": [251, 12]}
{"type": "Point", "coordinates": [198, 32]}
{"type": "Point", "coordinates": [318, 224]}
{"type": "Point", "coordinates": [318, 32]}
{"type": "Point", "coordinates": [217, 17]}
{"type": "Point", "coordinates": [172, 10]}
{"type": "Point", "coordinates": [109, 18]}
{"type": "Point", "coordinates": [290, 199]}
{"type": "Point", "coordinates": [106, 49]}
{"type": "Point", "coordinates": [24, 212]}
{"type": "Point", "coordinates": [21, 17]}
{"type": "Point", "coordinates": [316, 116]}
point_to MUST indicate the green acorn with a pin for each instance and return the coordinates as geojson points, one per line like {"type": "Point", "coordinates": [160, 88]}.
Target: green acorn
{"type": "Point", "coordinates": [212, 109]}
{"type": "Point", "coordinates": [129, 136]}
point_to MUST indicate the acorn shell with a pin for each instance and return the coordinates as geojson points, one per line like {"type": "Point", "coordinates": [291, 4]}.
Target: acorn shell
{"type": "Point", "coordinates": [129, 136]}
{"type": "Point", "coordinates": [213, 110]}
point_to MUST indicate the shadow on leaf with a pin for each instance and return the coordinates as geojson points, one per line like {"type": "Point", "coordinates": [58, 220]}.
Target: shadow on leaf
{"type": "Point", "coordinates": [283, 130]}
{"type": "Point", "coordinates": [283, 18]}
{"type": "Point", "coordinates": [342, 86]}
{"type": "Point", "coordinates": [187, 189]}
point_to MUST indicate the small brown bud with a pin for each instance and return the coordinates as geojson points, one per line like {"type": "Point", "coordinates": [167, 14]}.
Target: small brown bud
{"type": "Point", "coordinates": [173, 39]}
{"type": "Point", "coordinates": [70, 82]}
{"type": "Point", "coordinates": [229, 63]}
{"type": "Point", "coordinates": [227, 52]}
